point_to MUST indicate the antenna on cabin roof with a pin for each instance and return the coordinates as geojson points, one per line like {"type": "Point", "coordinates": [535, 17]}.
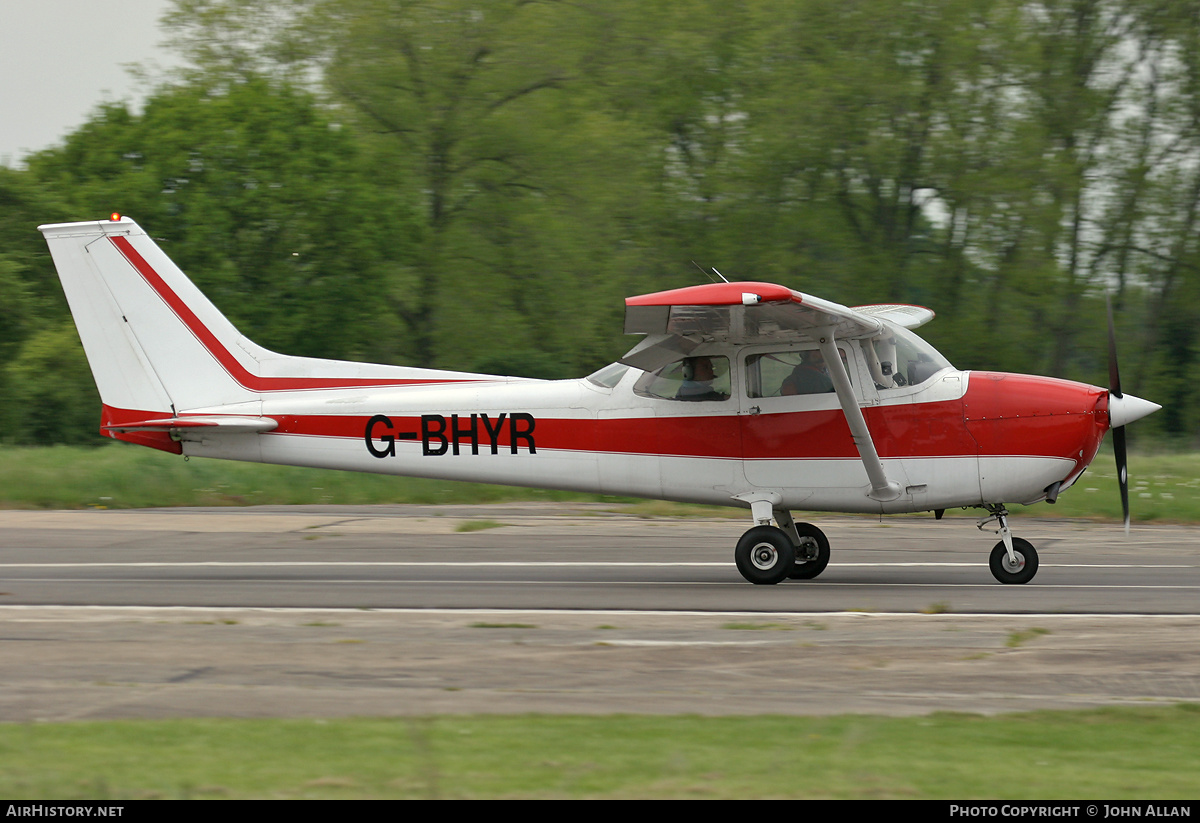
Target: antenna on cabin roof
{"type": "Point", "coordinates": [709, 276]}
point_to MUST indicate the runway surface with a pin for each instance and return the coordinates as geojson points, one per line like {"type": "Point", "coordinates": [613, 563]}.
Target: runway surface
{"type": "Point", "coordinates": [573, 608]}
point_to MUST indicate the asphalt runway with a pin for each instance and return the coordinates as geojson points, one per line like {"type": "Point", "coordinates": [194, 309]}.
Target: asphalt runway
{"type": "Point", "coordinates": [392, 610]}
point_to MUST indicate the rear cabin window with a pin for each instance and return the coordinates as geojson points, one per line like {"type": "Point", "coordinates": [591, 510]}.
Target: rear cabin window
{"type": "Point", "coordinates": [788, 373]}
{"type": "Point", "coordinates": [608, 376]}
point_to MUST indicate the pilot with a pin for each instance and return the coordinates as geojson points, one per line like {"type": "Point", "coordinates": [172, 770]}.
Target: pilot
{"type": "Point", "coordinates": [698, 376]}
{"type": "Point", "coordinates": [810, 377]}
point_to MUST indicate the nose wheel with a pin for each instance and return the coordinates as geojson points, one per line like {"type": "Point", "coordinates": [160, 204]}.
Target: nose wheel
{"type": "Point", "coordinates": [1020, 568]}
{"type": "Point", "coordinates": [1013, 560]}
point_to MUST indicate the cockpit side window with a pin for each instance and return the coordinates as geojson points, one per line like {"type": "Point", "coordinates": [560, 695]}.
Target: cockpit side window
{"type": "Point", "coordinates": [701, 378]}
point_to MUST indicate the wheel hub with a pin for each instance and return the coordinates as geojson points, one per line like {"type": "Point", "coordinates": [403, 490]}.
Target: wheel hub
{"type": "Point", "coordinates": [1010, 566]}
{"type": "Point", "coordinates": [764, 556]}
{"type": "Point", "coordinates": [807, 550]}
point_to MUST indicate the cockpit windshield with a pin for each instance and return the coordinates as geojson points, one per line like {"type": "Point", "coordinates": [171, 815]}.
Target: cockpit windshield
{"type": "Point", "coordinates": [899, 358]}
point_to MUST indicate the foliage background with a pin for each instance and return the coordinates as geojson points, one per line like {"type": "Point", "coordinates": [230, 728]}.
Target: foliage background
{"type": "Point", "coordinates": [478, 185]}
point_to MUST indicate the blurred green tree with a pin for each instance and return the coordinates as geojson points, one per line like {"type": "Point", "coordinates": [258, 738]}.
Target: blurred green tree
{"type": "Point", "coordinates": [50, 396]}
{"type": "Point", "coordinates": [256, 191]}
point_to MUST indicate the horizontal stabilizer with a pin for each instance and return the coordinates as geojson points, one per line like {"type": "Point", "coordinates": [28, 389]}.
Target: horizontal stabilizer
{"type": "Point", "coordinates": [226, 425]}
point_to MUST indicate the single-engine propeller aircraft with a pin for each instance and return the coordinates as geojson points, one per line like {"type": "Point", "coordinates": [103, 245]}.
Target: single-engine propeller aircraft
{"type": "Point", "coordinates": [744, 393]}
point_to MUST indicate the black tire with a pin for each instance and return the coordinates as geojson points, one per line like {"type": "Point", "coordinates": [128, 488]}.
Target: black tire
{"type": "Point", "coordinates": [1027, 562]}
{"type": "Point", "coordinates": [813, 554]}
{"type": "Point", "coordinates": [765, 555]}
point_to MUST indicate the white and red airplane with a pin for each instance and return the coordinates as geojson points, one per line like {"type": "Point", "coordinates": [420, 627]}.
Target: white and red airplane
{"type": "Point", "coordinates": [745, 394]}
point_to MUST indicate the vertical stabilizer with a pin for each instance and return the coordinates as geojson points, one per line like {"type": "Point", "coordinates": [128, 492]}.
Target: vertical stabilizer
{"type": "Point", "coordinates": [153, 341]}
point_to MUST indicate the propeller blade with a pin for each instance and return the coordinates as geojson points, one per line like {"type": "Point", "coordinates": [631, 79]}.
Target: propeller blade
{"type": "Point", "coordinates": [1114, 374]}
{"type": "Point", "coordinates": [1122, 471]}
{"type": "Point", "coordinates": [1115, 396]}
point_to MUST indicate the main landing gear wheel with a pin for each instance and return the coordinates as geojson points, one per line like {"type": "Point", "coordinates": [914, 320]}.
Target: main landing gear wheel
{"type": "Point", "coordinates": [765, 555]}
{"type": "Point", "coordinates": [1024, 569]}
{"type": "Point", "coordinates": [812, 556]}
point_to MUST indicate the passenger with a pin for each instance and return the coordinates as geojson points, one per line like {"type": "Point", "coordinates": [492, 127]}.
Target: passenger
{"type": "Point", "coordinates": [810, 377]}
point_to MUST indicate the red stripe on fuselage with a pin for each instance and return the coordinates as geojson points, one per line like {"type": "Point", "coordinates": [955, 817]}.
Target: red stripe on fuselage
{"type": "Point", "coordinates": [799, 435]}
{"type": "Point", "coordinates": [228, 361]}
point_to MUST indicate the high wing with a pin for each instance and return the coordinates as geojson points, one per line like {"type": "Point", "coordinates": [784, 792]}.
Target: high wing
{"type": "Point", "coordinates": [744, 313]}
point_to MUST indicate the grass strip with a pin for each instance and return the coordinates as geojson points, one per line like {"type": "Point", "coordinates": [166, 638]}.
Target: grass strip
{"type": "Point", "coordinates": [119, 476]}
{"type": "Point", "coordinates": [1116, 753]}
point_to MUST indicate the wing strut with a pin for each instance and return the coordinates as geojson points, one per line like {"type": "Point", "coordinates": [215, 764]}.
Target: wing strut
{"type": "Point", "coordinates": [881, 488]}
